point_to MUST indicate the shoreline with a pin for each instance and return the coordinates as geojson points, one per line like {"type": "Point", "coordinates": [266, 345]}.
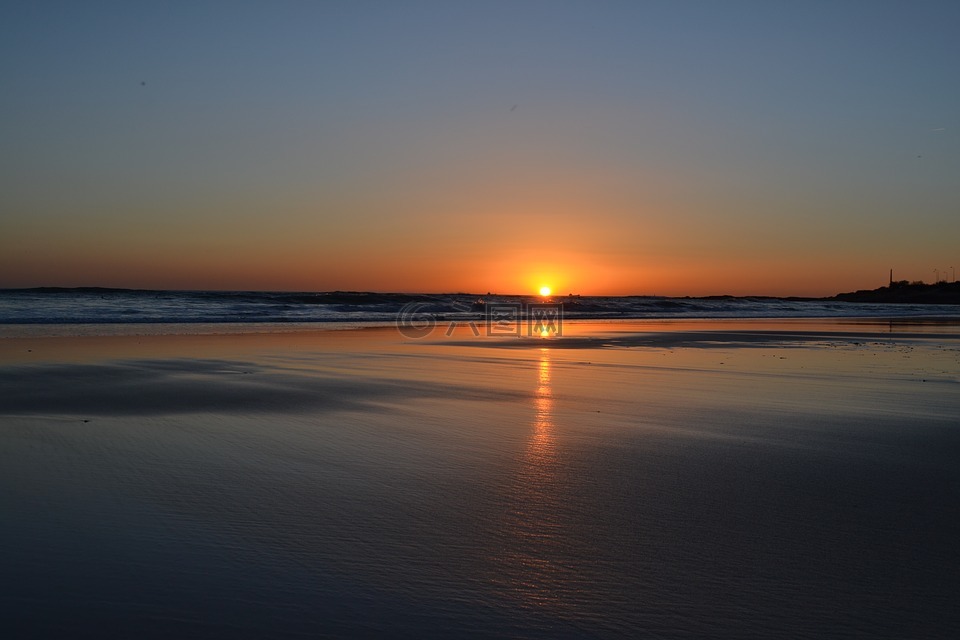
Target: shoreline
{"type": "Point", "coordinates": [635, 341]}
{"type": "Point", "coordinates": [69, 330]}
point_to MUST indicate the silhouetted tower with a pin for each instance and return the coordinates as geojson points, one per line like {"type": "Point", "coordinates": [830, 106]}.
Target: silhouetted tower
{"type": "Point", "coordinates": [891, 277]}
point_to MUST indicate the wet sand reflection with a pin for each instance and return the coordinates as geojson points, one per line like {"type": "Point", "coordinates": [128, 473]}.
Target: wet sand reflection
{"type": "Point", "coordinates": [541, 450]}
{"type": "Point", "coordinates": [533, 537]}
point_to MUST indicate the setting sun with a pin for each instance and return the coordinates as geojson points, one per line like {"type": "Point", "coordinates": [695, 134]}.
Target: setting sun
{"type": "Point", "coordinates": [544, 291]}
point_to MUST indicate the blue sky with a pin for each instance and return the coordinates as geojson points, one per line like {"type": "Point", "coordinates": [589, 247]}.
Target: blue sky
{"type": "Point", "coordinates": [609, 147]}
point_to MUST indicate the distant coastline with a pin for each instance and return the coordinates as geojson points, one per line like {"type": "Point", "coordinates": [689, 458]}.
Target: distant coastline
{"type": "Point", "coordinates": [904, 292]}
{"type": "Point", "coordinates": [901, 292]}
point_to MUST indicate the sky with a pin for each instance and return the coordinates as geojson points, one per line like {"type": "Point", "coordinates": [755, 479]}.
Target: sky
{"type": "Point", "coordinates": [601, 148]}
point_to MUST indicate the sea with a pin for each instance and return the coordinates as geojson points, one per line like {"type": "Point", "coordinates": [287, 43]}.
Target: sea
{"type": "Point", "coordinates": [96, 306]}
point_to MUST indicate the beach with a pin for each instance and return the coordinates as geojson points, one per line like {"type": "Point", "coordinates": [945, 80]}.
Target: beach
{"type": "Point", "coordinates": [663, 479]}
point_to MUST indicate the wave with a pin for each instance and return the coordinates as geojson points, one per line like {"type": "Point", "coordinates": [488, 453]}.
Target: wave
{"type": "Point", "coordinates": [94, 305]}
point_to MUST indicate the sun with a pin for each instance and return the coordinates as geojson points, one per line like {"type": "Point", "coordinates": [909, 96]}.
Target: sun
{"type": "Point", "coordinates": [544, 291]}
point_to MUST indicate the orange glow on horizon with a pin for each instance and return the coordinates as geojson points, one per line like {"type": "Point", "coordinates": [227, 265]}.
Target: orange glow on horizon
{"type": "Point", "coordinates": [505, 271]}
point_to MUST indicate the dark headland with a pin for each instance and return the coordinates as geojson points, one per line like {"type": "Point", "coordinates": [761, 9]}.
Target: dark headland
{"type": "Point", "coordinates": [906, 292]}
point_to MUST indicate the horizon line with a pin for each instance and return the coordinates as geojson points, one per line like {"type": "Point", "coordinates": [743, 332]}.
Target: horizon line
{"type": "Point", "coordinates": [531, 294]}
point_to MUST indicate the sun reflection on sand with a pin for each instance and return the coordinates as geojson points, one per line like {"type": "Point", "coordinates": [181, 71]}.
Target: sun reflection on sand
{"type": "Point", "coordinates": [533, 535]}
{"type": "Point", "coordinates": [540, 451]}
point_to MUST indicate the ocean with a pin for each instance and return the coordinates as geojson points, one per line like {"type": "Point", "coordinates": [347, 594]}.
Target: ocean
{"type": "Point", "coordinates": [124, 306]}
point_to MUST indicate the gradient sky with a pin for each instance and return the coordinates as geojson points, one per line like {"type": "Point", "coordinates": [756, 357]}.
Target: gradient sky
{"type": "Point", "coordinates": [671, 148]}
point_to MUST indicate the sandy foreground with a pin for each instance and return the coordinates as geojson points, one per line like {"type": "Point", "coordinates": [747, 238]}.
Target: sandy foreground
{"type": "Point", "coordinates": [673, 479]}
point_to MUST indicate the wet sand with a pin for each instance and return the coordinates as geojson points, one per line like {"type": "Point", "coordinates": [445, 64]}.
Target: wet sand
{"type": "Point", "coordinates": [661, 479]}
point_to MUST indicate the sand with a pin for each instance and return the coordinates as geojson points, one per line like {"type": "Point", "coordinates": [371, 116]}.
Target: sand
{"type": "Point", "coordinates": [673, 479]}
